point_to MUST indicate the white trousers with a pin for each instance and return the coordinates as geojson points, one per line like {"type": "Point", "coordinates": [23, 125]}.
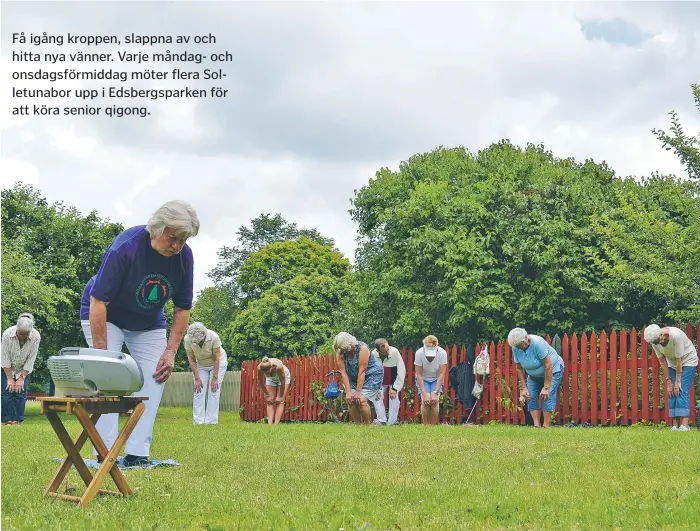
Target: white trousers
{"type": "Point", "coordinates": [205, 405]}
{"type": "Point", "coordinates": [146, 348]}
{"type": "Point", "coordinates": [394, 404]}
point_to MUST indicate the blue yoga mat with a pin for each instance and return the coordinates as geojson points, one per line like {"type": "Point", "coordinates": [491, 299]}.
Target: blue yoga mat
{"type": "Point", "coordinates": [153, 463]}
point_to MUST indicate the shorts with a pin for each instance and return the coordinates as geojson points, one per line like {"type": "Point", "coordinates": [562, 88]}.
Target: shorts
{"type": "Point", "coordinates": [369, 394]}
{"type": "Point", "coordinates": [430, 386]}
{"type": "Point", "coordinates": [275, 382]}
{"type": "Point", "coordinates": [535, 385]}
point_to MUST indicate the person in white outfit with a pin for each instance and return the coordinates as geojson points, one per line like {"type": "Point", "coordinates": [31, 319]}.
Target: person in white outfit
{"type": "Point", "coordinates": [394, 376]}
{"type": "Point", "coordinates": [142, 269]}
{"type": "Point", "coordinates": [208, 362]}
{"type": "Point", "coordinates": [275, 379]}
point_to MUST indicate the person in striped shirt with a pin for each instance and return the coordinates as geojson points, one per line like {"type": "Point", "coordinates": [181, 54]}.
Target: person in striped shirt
{"type": "Point", "coordinates": [20, 345]}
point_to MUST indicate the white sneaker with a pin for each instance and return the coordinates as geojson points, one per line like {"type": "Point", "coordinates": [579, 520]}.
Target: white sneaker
{"type": "Point", "coordinates": [683, 428]}
{"type": "Point", "coordinates": [674, 428]}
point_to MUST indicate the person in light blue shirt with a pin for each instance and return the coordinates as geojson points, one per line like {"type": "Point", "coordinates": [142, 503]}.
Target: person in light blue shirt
{"type": "Point", "coordinates": [544, 368]}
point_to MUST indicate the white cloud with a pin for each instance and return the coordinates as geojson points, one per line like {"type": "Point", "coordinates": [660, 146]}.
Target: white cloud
{"type": "Point", "coordinates": [13, 170]}
{"type": "Point", "coordinates": [27, 136]}
{"type": "Point", "coordinates": [156, 174]}
{"type": "Point", "coordinates": [321, 95]}
{"type": "Point", "coordinates": [67, 139]}
{"type": "Point", "coordinates": [121, 209]}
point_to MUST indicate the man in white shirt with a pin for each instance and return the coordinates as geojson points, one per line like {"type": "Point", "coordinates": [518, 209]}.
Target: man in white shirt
{"type": "Point", "coordinates": [431, 368]}
{"type": "Point", "coordinates": [20, 345]}
{"type": "Point", "coordinates": [394, 375]}
{"type": "Point", "coordinates": [679, 359]}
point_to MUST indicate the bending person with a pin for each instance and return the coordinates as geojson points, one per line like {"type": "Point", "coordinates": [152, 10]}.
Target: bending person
{"type": "Point", "coordinates": [143, 268]}
{"type": "Point", "coordinates": [394, 375]}
{"type": "Point", "coordinates": [679, 359]}
{"type": "Point", "coordinates": [544, 368]}
{"type": "Point", "coordinates": [361, 375]}
{"type": "Point", "coordinates": [431, 367]}
{"type": "Point", "coordinates": [275, 379]}
{"type": "Point", "coordinates": [20, 345]}
{"type": "Point", "coordinates": [208, 362]}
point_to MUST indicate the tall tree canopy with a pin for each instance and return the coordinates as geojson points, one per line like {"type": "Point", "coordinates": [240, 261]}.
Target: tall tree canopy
{"type": "Point", "coordinates": [261, 260]}
{"type": "Point", "coordinates": [51, 252]}
{"type": "Point", "coordinates": [263, 230]}
{"type": "Point", "coordinates": [466, 246]}
{"type": "Point", "coordinates": [295, 292]}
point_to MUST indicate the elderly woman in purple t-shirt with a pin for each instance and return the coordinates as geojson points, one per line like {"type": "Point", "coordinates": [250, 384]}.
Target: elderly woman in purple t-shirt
{"type": "Point", "coordinates": [143, 268]}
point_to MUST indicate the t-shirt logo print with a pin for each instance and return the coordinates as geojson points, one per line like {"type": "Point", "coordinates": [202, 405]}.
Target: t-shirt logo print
{"type": "Point", "coordinates": [153, 292]}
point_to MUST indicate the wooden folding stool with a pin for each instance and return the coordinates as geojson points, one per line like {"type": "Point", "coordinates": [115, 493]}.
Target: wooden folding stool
{"type": "Point", "coordinates": [88, 410]}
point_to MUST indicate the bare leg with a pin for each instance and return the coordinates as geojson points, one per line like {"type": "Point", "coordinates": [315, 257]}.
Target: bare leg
{"type": "Point", "coordinates": [547, 418]}
{"type": "Point", "coordinates": [436, 412]}
{"type": "Point", "coordinates": [364, 411]}
{"type": "Point", "coordinates": [428, 411]}
{"type": "Point", "coordinates": [684, 421]}
{"type": "Point", "coordinates": [272, 390]}
{"type": "Point", "coordinates": [425, 413]}
{"type": "Point", "coordinates": [536, 416]}
{"type": "Point", "coordinates": [355, 413]}
{"type": "Point", "coordinates": [279, 409]}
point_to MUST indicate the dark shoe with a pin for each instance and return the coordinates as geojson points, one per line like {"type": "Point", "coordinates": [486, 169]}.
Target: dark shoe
{"type": "Point", "coordinates": [134, 460]}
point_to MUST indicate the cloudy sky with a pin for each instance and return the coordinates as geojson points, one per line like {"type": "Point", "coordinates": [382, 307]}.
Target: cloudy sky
{"type": "Point", "coordinates": [321, 95]}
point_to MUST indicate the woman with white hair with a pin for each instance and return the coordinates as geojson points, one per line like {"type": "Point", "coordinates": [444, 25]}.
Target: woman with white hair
{"type": "Point", "coordinates": [275, 379]}
{"type": "Point", "coordinates": [143, 268]}
{"type": "Point", "coordinates": [678, 357]}
{"type": "Point", "coordinates": [20, 345]}
{"type": "Point", "coordinates": [361, 374]}
{"type": "Point", "coordinates": [544, 368]}
{"type": "Point", "coordinates": [208, 362]}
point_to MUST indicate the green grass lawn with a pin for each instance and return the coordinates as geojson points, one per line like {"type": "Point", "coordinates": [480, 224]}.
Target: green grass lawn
{"type": "Point", "coordinates": [325, 476]}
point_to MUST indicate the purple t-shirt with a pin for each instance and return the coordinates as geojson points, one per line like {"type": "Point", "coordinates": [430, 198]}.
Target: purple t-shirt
{"type": "Point", "coordinates": [137, 281]}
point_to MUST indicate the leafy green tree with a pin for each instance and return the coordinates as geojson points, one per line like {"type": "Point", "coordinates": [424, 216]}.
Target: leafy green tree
{"type": "Point", "coordinates": [24, 288]}
{"type": "Point", "coordinates": [289, 317]}
{"type": "Point", "coordinates": [295, 297]}
{"type": "Point", "coordinates": [687, 147]}
{"type": "Point", "coordinates": [238, 280]}
{"type": "Point", "coordinates": [65, 249]}
{"type": "Point", "coordinates": [282, 261]}
{"type": "Point", "coordinates": [467, 246]}
{"type": "Point", "coordinates": [263, 230]}
{"type": "Point", "coordinates": [652, 243]}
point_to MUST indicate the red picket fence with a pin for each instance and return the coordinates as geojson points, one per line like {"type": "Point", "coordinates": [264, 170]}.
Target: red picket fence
{"type": "Point", "coordinates": [610, 379]}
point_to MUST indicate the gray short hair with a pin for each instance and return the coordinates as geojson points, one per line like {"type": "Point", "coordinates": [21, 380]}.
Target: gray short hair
{"type": "Point", "coordinates": [652, 333]}
{"type": "Point", "coordinates": [379, 342]}
{"type": "Point", "coordinates": [25, 322]}
{"type": "Point", "coordinates": [178, 215]}
{"type": "Point", "coordinates": [517, 336]}
{"type": "Point", "coordinates": [343, 342]}
{"type": "Point", "coordinates": [197, 331]}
